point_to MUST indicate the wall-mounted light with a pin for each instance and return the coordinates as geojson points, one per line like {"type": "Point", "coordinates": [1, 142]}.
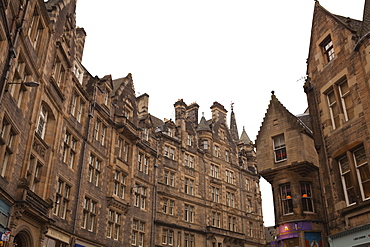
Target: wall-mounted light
{"type": "Point", "coordinates": [27, 83]}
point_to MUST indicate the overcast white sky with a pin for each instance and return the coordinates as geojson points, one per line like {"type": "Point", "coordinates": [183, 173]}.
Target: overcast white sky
{"type": "Point", "coordinates": [207, 50]}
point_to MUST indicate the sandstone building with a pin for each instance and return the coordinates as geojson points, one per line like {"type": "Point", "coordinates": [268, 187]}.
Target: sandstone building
{"type": "Point", "coordinates": [84, 163]}
{"type": "Point", "coordinates": [337, 88]}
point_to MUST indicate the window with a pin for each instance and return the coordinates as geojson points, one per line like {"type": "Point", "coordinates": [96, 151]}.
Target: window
{"type": "Point", "coordinates": [145, 134]}
{"type": "Point", "coordinates": [7, 143]}
{"type": "Point", "coordinates": [205, 144]}
{"type": "Point", "coordinates": [250, 232]}
{"type": "Point", "coordinates": [62, 199]}
{"type": "Point", "coordinates": [189, 186]}
{"type": "Point", "coordinates": [100, 132]}
{"type": "Point", "coordinates": [43, 118]}
{"type": "Point", "coordinates": [189, 160]}
{"type": "Point", "coordinates": [59, 72]}
{"type": "Point", "coordinates": [119, 184]}
{"type": "Point", "coordinates": [123, 149]}
{"type": "Point", "coordinates": [170, 132]}
{"type": "Point", "coordinates": [138, 233]}
{"type": "Point", "coordinates": [214, 171]}
{"type": "Point", "coordinates": [231, 221]}
{"type": "Point", "coordinates": [230, 199]}
{"type": "Point", "coordinates": [168, 206]}
{"type": "Point", "coordinates": [106, 97]}
{"type": "Point", "coordinates": [77, 70]}
{"type": "Point", "coordinates": [217, 151]}
{"type": "Point", "coordinates": [140, 196]}
{"type": "Point", "coordinates": [143, 163]}
{"type": "Point", "coordinates": [169, 178]}
{"type": "Point", "coordinates": [229, 176]}
{"type": "Point", "coordinates": [69, 150]}
{"type": "Point", "coordinates": [216, 219]}
{"type": "Point", "coordinates": [167, 237]}
{"type": "Point", "coordinates": [279, 148]}
{"type": "Point", "coordinates": [363, 172]}
{"type": "Point", "coordinates": [227, 156]}
{"type": "Point", "coordinates": [348, 185]}
{"type": "Point", "coordinates": [215, 194]}
{"type": "Point", "coordinates": [189, 140]}
{"type": "Point", "coordinates": [189, 213]}
{"type": "Point", "coordinates": [286, 199]}
{"type": "Point", "coordinates": [328, 49]}
{"type": "Point", "coordinates": [247, 184]}
{"type": "Point", "coordinates": [21, 75]}
{"type": "Point", "coordinates": [77, 107]}
{"type": "Point", "coordinates": [89, 215]}
{"type": "Point", "coordinates": [189, 240]}
{"type": "Point", "coordinates": [169, 152]}
{"type": "Point", "coordinates": [306, 197]}
{"type": "Point", "coordinates": [114, 224]}
{"type": "Point", "coordinates": [249, 205]}
{"type": "Point", "coordinates": [35, 30]}
{"type": "Point", "coordinates": [94, 171]}
{"type": "Point", "coordinates": [340, 103]}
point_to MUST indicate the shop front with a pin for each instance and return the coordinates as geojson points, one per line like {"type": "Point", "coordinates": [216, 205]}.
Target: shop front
{"type": "Point", "coordinates": [354, 237]}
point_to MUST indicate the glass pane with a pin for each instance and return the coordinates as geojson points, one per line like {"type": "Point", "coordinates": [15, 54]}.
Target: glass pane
{"type": "Point", "coordinates": [360, 156]}
{"type": "Point", "coordinates": [344, 164]}
{"type": "Point", "coordinates": [364, 172]}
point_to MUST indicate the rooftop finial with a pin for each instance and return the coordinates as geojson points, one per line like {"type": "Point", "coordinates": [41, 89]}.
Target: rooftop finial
{"type": "Point", "coordinates": [203, 114]}
{"type": "Point", "coordinates": [232, 105]}
{"type": "Point", "coordinates": [273, 92]}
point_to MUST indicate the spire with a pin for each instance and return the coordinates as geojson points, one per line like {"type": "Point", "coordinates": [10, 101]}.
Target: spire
{"type": "Point", "coordinates": [233, 126]}
{"type": "Point", "coordinates": [244, 138]}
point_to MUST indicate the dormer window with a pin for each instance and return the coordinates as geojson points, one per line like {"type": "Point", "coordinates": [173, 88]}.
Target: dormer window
{"type": "Point", "coordinates": [170, 132]}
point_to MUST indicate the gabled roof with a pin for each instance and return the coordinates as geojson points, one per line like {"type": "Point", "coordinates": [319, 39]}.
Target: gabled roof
{"type": "Point", "coordinates": [300, 122]}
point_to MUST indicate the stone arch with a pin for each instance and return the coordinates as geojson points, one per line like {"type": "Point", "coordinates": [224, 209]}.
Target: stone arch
{"type": "Point", "coordinates": [23, 239]}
